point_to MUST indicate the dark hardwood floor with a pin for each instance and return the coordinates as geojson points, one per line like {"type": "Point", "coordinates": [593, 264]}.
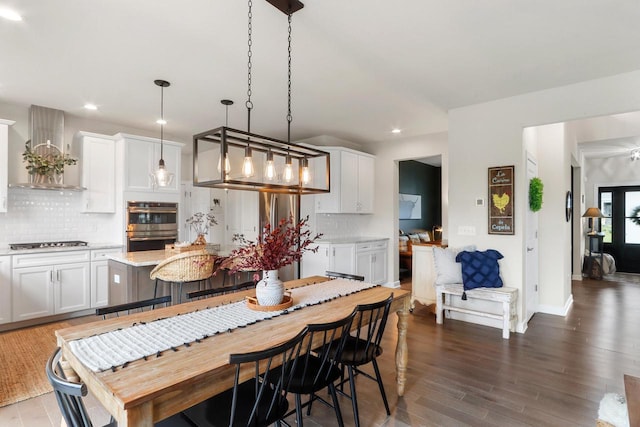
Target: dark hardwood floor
{"type": "Point", "coordinates": [461, 374]}
{"type": "Point", "coordinates": [555, 374]}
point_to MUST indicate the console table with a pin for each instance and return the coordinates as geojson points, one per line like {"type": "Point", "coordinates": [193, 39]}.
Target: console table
{"type": "Point", "coordinates": [593, 263]}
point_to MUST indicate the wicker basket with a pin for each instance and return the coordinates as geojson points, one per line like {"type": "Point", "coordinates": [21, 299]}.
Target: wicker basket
{"type": "Point", "coordinates": [173, 249]}
{"type": "Point", "coordinates": [185, 267]}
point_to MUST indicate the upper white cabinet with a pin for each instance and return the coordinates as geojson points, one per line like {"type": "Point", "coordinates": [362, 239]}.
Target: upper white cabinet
{"type": "Point", "coordinates": [141, 157]}
{"type": "Point", "coordinates": [352, 186]}
{"type": "Point", "coordinates": [4, 164]}
{"type": "Point", "coordinates": [98, 172]}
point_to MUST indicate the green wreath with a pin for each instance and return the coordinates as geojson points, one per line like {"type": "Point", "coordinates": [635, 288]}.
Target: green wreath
{"type": "Point", "coordinates": [535, 194]}
{"type": "Point", "coordinates": [635, 215]}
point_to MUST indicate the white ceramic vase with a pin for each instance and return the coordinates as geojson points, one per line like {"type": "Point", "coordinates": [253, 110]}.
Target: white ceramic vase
{"type": "Point", "coordinates": [270, 290]}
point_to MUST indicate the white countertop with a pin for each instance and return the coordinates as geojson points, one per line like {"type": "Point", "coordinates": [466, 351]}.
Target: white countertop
{"type": "Point", "coordinates": [148, 258]}
{"type": "Point", "coordinates": [91, 246]}
{"type": "Point", "coordinates": [338, 240]}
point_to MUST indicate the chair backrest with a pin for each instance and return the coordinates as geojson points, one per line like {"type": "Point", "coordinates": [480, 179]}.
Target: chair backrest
{"type": "Point", "coordinates": [68, 394]}
{"type": "Point", "coordinates": [137, 305]}
{"type": "Point", "coordinates": [220, 291]}
{"type": "Point", "coordinates": [336, 275]}
{"type": "Point", "coordinates": [370, 321]}
{"type": "Point", "coordinates": [272, 369]}
{"type": "Point", "coordinates": [185, 267]}
{"type": "Point", "coordinates": [324, 342]}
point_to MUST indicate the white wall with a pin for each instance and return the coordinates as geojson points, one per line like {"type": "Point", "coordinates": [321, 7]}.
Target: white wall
{"type": "Point", "coordinates": [385, 220]}
{"type": "Point", "coordinates": [618, 170]}
{"type": "Point", "coordinates": [490, 134]}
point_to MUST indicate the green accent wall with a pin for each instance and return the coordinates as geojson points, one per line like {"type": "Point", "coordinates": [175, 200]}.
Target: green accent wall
{"type": "Point", "coordinates": [426, 181]}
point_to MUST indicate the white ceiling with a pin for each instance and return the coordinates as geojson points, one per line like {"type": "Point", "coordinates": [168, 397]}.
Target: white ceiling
{"type": "Point", "coordinates": [360, 67]}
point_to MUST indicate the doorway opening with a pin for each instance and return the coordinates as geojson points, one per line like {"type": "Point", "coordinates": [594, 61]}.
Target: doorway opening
{"type": "Point", "coordinates": [420, 207]}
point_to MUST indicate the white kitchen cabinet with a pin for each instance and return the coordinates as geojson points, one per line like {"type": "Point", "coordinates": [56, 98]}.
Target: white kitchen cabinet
{"type": "Point", "coordinates": [241, 215]}
{"type": "Point", "coordinates": [371, 261]}
{"type": "Point", "coordinates": [141, 157]}
{"type": "Point", "coordinates": [98, 173]}
{"type": "Point", "coordinates": [4, 165]}
{"type": "Point", "coordinates": [330, 257]}
{"type": "Point", "coordinates": [352, 185]}
{"type": "Point", "coordinates": [100, 276]}
{"type": "Point", "coordinates": [50, 283]}
{"type": "Point", "coordinates": [5, 289]}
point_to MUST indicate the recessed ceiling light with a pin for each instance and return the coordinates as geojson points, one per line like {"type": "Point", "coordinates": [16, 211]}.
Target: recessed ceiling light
{"type": "Point", "coordinates": [396, 130]}
{"type": "Point", "coordinates": [11, 15]}
{"type": "Point", "coordinates": [90, 106]}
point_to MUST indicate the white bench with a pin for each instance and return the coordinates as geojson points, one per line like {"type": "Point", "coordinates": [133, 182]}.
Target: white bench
{"type": "Point", "coordinates": [506, 296]}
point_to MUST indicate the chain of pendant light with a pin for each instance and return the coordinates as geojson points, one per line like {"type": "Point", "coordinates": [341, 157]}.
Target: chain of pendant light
{"type": "Point", "coordinates": [249, 104]}
{"type": "Point", "coordinates": [289, 116]}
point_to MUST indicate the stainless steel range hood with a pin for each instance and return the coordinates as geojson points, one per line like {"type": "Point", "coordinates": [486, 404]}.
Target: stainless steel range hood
{"type": "Point", "coordinates": [46, 126]}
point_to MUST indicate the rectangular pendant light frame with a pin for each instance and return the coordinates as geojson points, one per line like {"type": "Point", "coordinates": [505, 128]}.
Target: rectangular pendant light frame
{"type": "Point", "coordinates": [210, 148]}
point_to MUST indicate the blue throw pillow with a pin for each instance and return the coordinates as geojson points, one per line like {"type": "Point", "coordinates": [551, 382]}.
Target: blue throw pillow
{"type": "Point", "coordinates": [480, 269]}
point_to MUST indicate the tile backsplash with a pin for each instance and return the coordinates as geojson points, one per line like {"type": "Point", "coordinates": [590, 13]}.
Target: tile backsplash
{"type": "Point", "coordinates": [48, 215]}
{"type": "Point", "coordinates": [339, 225]}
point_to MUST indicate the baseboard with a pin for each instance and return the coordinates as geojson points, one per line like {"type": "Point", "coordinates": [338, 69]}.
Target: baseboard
{"type": "Point", "coordinates": [555, 310]}
{"type": "Point", "coordinates": [576, 277]}
{"type": "Point", "coordinates": [395, 284]}
{"type": "Point", "coordinates": [521, 327]}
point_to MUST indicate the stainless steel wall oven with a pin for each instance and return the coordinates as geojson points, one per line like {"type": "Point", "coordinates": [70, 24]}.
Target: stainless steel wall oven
{"type": "Point", "coordinates": [151, 225]}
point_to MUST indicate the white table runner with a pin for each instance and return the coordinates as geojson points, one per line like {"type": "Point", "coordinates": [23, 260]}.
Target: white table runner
{"type": "Point", "coordinates": [117, 348]}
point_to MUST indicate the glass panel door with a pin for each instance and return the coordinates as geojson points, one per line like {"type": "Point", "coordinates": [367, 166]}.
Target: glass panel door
{"type": "Point", "coordinates": [621, 225]}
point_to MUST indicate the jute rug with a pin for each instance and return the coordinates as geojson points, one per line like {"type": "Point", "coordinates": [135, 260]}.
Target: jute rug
{"type": "Point", "coordinates": [23, 355]}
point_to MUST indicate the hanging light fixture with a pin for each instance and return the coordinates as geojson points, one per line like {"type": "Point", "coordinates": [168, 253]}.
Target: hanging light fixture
{"type": "Point", "coordinates": [635, 154]}
{"type": "Point", "coordinates": [162, 177]}
{"type": "Point", "coordinates": [250, 149]}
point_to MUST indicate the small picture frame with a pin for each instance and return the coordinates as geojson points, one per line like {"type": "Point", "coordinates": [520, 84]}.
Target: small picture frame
{"type": "Point", "coordinates": [501, 200]}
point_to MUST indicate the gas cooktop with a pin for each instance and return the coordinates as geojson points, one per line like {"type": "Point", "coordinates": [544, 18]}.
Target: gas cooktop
{"type": "Point", "coordinates": [38, 245]}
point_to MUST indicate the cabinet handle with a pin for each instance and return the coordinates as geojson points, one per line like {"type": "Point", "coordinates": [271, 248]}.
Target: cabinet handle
{"type": "Point", "coordinates": [334, 252]}
{"type": "Point", "coordinates": [58, 275]}
{"type": "Point", "coordinates": [51, 277]}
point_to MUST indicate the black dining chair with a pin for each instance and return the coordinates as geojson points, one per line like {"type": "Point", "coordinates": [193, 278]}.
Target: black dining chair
{"type": "Point", "coordinates": [363, 347]}
{"type": "Point", "coordinates": [318, 368]}
{"type": "Point", "coordinates": [133, 306]}
{"type": "Point", "coordinates": [337, 275]}
{"type": "Point", "coordinates": [260, 401]}
{"type": "Point", "coordinates": [214, 292]}
{"type": "Point", "coordinates": [69, 397]}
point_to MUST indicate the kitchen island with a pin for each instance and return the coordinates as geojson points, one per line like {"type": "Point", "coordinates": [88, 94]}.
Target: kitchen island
{"type": "Point", "coordinates": [129, 276]}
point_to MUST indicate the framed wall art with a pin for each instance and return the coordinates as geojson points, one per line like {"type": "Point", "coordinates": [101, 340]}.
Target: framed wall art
{"type": "Point", "coordinates": [501, 200]}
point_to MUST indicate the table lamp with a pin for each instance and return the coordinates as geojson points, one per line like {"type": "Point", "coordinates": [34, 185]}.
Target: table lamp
{"type": "Point", "coordinates": [592, 213]}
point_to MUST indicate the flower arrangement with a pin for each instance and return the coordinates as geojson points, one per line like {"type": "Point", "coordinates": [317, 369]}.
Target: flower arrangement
{"type": "Point", "coordinates": [275, 248]}
{"type": "Point", "coordinates": [200, 222]}
{"type": "Point", "coordinates": [46, 165]}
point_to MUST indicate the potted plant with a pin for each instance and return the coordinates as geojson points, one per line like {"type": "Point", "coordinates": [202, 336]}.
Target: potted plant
{"type": "Point", "coordinates": [47, 168]}
{"type": "Point", "coordinates": [275, 248]}
{"type": "Point", "coordinates": [200, 223]}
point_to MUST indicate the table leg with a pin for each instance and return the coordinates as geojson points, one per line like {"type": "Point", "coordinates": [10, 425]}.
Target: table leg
{"type": "Point", "coordinates": [402, 354]}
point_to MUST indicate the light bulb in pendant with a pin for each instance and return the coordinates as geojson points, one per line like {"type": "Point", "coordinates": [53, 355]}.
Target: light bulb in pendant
{"type": "Point", "coordinates": [306, 174]}
{"type": "Point", "coordinates": [269, 168]}
{"type": "Point", "coordinates": [227, 165]}
{"type": "Point", "coordinates": [247, 164]}
{"type": "Point", "coordinates": [288, 169]}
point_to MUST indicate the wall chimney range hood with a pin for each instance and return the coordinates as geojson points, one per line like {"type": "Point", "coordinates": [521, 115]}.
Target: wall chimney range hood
{"type": "Point", "coordinates": [46, 125]}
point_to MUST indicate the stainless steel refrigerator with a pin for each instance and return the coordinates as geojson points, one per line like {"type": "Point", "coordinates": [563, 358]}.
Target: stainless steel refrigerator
{"type": "Point", "coordinates": [274, 207]}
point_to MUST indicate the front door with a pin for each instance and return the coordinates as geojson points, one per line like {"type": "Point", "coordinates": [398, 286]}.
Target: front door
{"type": "Point", "coordinates": [621, 225]}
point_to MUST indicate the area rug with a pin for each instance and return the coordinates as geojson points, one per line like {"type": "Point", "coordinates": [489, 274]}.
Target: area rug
{"type": "Point", "coordinates": [23, 355]}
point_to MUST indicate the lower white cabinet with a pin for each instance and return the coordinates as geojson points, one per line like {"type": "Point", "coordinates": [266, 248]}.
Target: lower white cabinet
{"type": "Point", "coordinates": [50, 283]}
{"type": "Point", "coordinates": [371, 261]}
{"type": "Point", "coordinates": [5, 289]}
{"type": "Point", "coordinates": [339, 257]}
{"type": "Point", "coordinates": [100, 276]}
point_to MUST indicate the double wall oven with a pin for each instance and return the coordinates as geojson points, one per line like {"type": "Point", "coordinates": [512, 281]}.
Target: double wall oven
{"type": "Point", "coordinates": [151, 225]}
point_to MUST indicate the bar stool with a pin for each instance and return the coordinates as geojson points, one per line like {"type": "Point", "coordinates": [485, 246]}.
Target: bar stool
{"type": "Point", "coordinates": [187, 267]}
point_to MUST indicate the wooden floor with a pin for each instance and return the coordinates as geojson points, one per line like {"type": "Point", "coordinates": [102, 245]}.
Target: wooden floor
{"type": "Point", "coordinates": [462, 374]}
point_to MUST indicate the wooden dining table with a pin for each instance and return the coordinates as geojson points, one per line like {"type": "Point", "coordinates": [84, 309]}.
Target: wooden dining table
{"type": "Point", "coordinates": [147, 391]}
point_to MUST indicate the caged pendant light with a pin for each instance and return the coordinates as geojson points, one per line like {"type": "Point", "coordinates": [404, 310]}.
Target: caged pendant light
{"type": "Point", "coordinates": [162, 177]}
{"type": "Point", "coordinates": [257, 162]}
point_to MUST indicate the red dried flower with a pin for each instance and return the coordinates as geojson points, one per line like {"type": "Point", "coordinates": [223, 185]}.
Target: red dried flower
{"type": "Point", "coordinates": [275, 248]}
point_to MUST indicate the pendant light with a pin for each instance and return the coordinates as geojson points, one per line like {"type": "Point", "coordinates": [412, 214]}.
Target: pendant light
{"type": "Point", "coordinates": [269, 151]}
{"type": "Point", "coordinates": [162, 177]}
